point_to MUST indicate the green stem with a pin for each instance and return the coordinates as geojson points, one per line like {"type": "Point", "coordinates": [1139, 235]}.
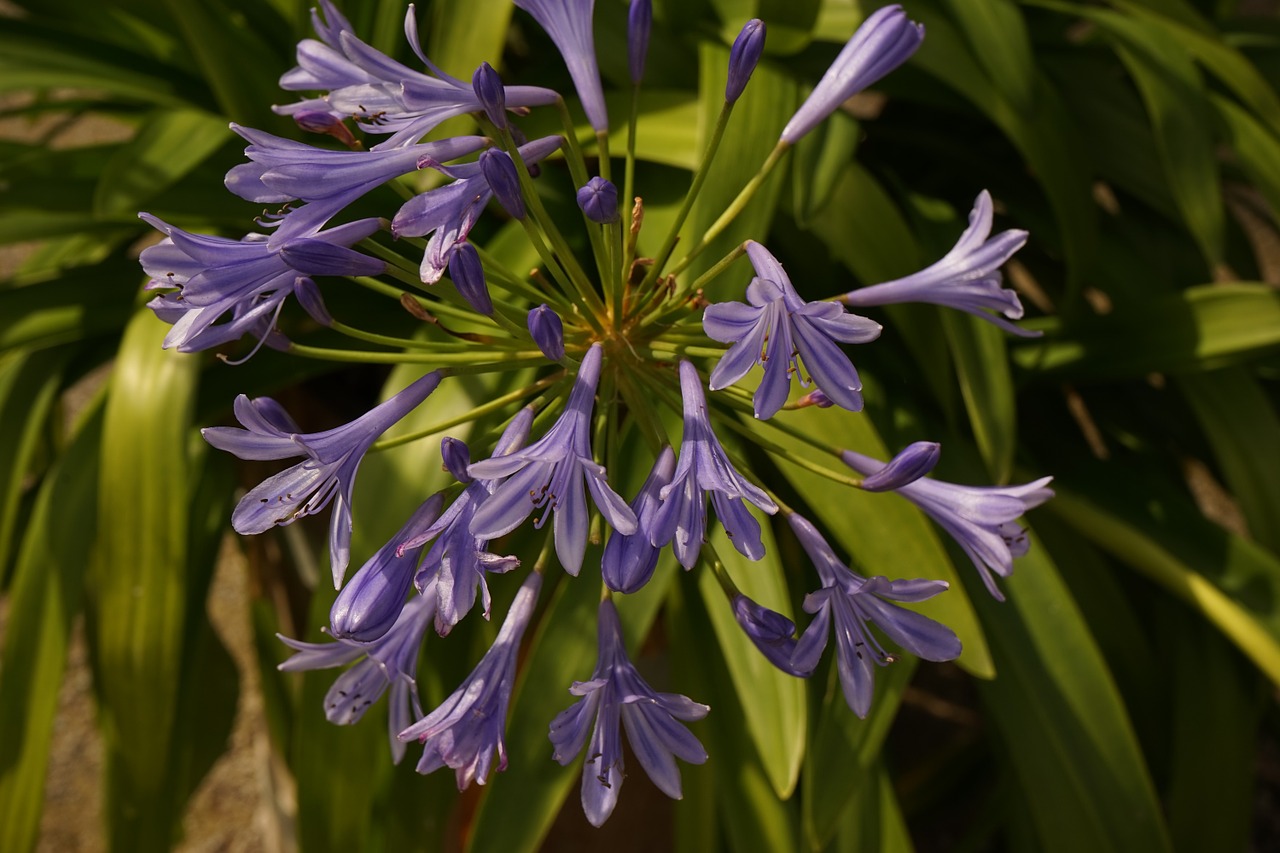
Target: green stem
{"type": "Point", "coordinates": [457, 362]}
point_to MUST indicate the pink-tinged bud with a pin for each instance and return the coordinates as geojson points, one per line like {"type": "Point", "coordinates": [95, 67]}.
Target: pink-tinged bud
{"type": "Point", "coordinates": [599, 201]}
{"type": "Point", "coordinates": [468, 276]}
{"type": "Point", "coordinates": [548, 331]}
{"type": "Point", "coordinates": [743, 58]}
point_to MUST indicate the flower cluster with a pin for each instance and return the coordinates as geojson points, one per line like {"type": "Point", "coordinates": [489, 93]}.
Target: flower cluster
{"type": "Point", "coordinates": [608, 344]}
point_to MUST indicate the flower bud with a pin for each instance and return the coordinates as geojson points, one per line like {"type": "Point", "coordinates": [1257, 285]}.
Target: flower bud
{"type": "Point", "coordinates": [599, 201]}
{"type": "Point", "coordinates": [468, 276]}
{"type": "Point", "coordinates": [815, 398]}
{"type": "Point", "coordinates": [456, 456]}
{"type": "Point", "coordinates": [639, 22]}
{"type": "Point", "coordinates": [500, 172]}
{"type": "Point", "coordinates": [489, 91]}
{"type": "Point", "coordinates": [548, 331]}
{"type": "Point", "coordinates": [308, 295]}
{"type": "Point", "coordinates": [910, 465]}
{"type": "Point", "coordinates": [743, 57]}
{"type": "Point", "coordinates": [326, 122]}
{"type": "Point", "coordinates": [771, 632]}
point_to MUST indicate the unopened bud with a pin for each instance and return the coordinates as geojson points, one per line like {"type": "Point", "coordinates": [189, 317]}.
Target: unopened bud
{"type": "Point", "coordinates": [743, 57]}
{"type": "Point", "coordinates": [500, 171]}
{"type": "Point", "coordinates": [639, 22]}
{"type": "Point", "coordinates": [548, 331]}
{"type": "Point", "coordinates": [456, 456]}
{"type": "Point", "coordinates": [599, 201]}
{"type": "Point", "coordinates": [468, 276]}
{"type": "Point", "coordinates": [488, 88]}
{"type": "Point", "coordinates": [910, 465]}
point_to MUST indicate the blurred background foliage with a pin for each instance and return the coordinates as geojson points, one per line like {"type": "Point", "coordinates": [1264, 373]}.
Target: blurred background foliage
{"type": "Point", "coordinates": [1122, 699]}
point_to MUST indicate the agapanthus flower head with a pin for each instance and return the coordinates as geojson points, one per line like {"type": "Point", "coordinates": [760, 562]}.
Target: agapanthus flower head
{"type": "Point", "coordinates": [549, 474]}
{"type": "Point", "coordinates": [371, 601]}
{"type": "Point", "coordinates": [598, 200]}
{"type": "Point", "coordinates": [248, 278]}
{"type": "Point", "coordinates": [778, 330]}
{"type": "Point", "coordinates": [886, 39]}
{"type": "Point", "coordinates": [466, 733]}
{"type": "Point", "coordinates": [569, 24]}
{"type": "Point", "coordinates": [639, 23]}
{"type": "Point", "coordinates": [982, 519]}
{"type": "Point", "coordinates": [629, 560]}
{"type": "Point", "coordinates": [771, 632]}
{"type": "Point", "coordinates": [547, 330]}
{"type": "Point", "coordinates": [458, 562]}
{"type": "Point", "coordinates": [704, 468]}
{"type": "Point", "coordinates": [615, 698]}
{"type": "Point", "coordinates": [853, 603]}
{"type": "Point", "coordinates": [448, 213]}
{"type": "Point", "coordinates": [967, 278]}
{"type": "Point", "coordinates": [743, 58]}
{"type": "Point", "coordinates": [326, 475]}
{"type": "Point", "coordinates": [390, 661]}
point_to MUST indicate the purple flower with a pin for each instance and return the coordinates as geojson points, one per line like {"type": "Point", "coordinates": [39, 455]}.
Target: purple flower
{"type": "Point", "coordinates": [598, 200]}
{"type": "Point", "coordinates": [248, 278]}
{"type": "Point", "coordinates": [568, 22]}
{"type": "Point", "coordinates": [448, 213]}
{"type": "Point", "coordinates": [912, 463]}
{"type": "Point", "coordinates": [547, 330]}
{"type": "Point", "coordinates": [778, 329]}
{"type": "Point", "coordinates": [704, 467]}
{"type": "Point", "coordinates": [468, 277]}
{"type": "Point", "coordinates": [281, 170]}
{"type": "Point", "coordinates": [489, 92]}
{"type": "Point", "coordinates": [327, 474]}
{"type": "Point", "coordinates": [980, 519]}
{"type": "Point", "coordinates": [499, 171]}
{"type": "Point", "coordinates": [885, 40]}
{"type": "Point", "coordinates": [743, 58]}
{"type": "Point", "coordinates": [550, 474]}
{"type": "Point", "coordinates": [390, 97]}
{"type": "Point", "coordinates": [371, 601]}
{"type": "Point", "coordinates": [967, 278]}
{"type": "Point", "coordinates": [639, 23]}
{"type": "Point", "coordinates": [771, 632]}
{"type": "Point", "coordinates": [466, 732]}
{"type": "Point", "coordinates": [853, 602]}
{"type": "Point", "coordinates": [629, 560]}
{"type": "Point", "coordinates": [458, 561]}
{"type": "Point", "coordinates": [390, 661]}
{"type": "Point", "coordinates": [616, 693]}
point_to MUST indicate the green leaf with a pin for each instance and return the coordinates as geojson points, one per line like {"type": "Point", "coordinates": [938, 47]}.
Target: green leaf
{"type": "Point", "coordinates": [44, 601]}
{"type": "Point", "coordinates": [1202, 328]}
{"type": "Point", "coordinates": [1244, 432]}
{"type": "Point", "coordinates": [998, 37]}
{"type": "Point", "coordinates": [463, 35]}
{"type": "Point", "coordinates": [874, 819]}
{"type": "Point", "coordinates": [885, 534]}
{"type": "Point", "coordinates": [772, 701]}
{"type": "Point", "coordinates": [1257, 148]}
{"type": "Point", "coordinates": [986, 383]}
{"type": "Point", "coordinates": [63, 310]}
{"type": "Point", "coordinates": [1066, 730]}
{"type": "Point", "coordinates": [139, 582]}
{"type": "Point", "coordinates": [169, 144]}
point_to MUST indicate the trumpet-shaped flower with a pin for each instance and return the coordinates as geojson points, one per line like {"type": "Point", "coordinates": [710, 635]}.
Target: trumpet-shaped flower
{"type": "Point", "coordinates": [853, 602]}
{"type": "Point", "coordinates": [614, 698]}
{"type": "Point", "coordinates": [705, 467]}
{"type": "Point", "coordinates": [550, 474]}
{"type": "Point", "coordinates": [885, 40]}
{"type": "Point", "coordinates": [778, 330]}
{"type": "Point", "coordinates": [390, 661]}
{"type": "Point", "coordinates": [327, 474]}
{"type": "Point", "coordinates": [568, 22]}
{"type": "Point", "coordinates": [466, 732]}
{"type": "Point", "coordinates": [980, 519]}
{"type": "Point", "coordinates": [967, 278]}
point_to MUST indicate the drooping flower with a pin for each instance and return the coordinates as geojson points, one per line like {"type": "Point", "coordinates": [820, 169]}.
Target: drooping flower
{"type": "Point", "coordinates": [778, 330]}
{"type": "Point", "coordinates": [371, 601]}
{"type": "Point", "coordinates": [886, 39]}
{"type": "Point", "coordinates": [386, 96]}
{"type": "Point", "coordinates": [705, 467]}
{"type": "Point", "coordinates": [568, 22]}
{"type": "Point", "coordinates": [853, 602]}
{"type": "Point", "coordinates": [967, 278]}
{"type": "Point", "coordinates": [448, 213]}
{"type": "Point", "coordinates": [466, 732]}
{"type": "Point", "coordinates": [327, 474]}
{"type": "Point", "coordinates": [215, 276]}
{"type": "Point", "coordinates": [980, 519]}
{"type": "Point", "coordinates": [629, 560]}
{"type": "Point", "coordinates": [617, 697]}
{"type": "Point", "coordinates": [550, 474]}
{"type": "Point", "coordinates": [282, 170]}
{"type": "Point", "coordinates": [458, 562]}
{"type": "Point", "coordinates": [743, 58]}
{"type": "Point", "coordinates": [390, 661]}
